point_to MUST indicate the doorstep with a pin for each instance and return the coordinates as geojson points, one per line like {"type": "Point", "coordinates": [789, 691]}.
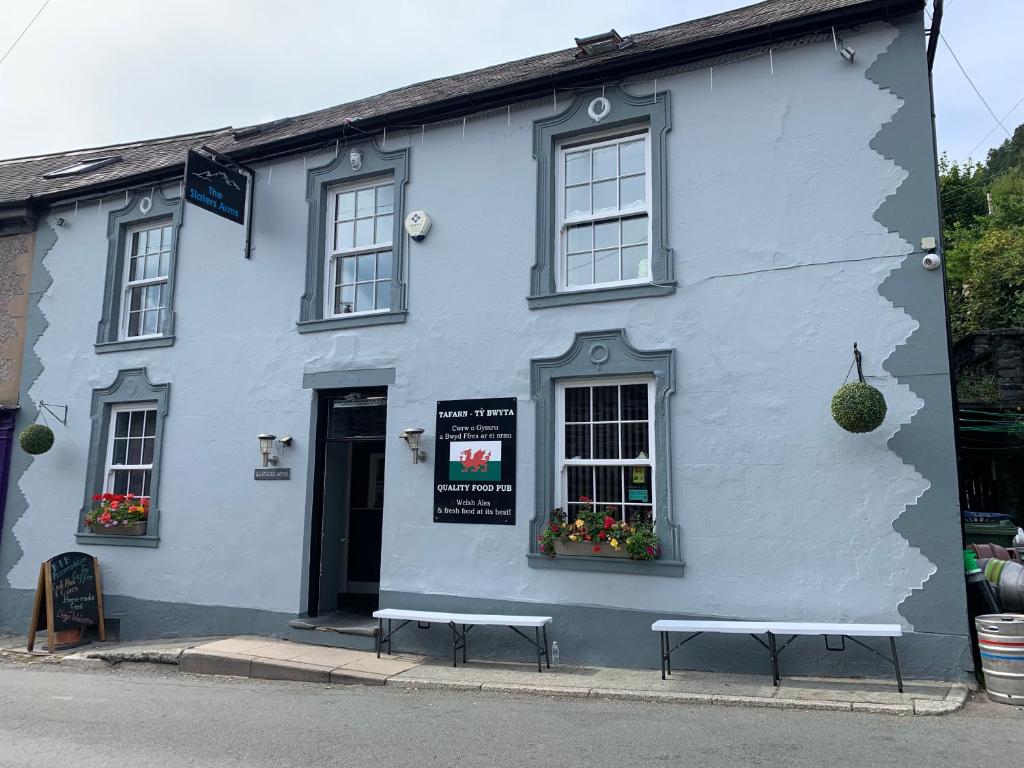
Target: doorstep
{"type": "Point", "coordinates": [275, 659]}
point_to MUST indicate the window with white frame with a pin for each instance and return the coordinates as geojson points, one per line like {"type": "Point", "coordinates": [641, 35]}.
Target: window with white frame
{"type": "Point", "coordinates": [360, 260]}
{"type": "Point", "coordinates": [130, 449]}
{"type": "Point", "coordinates": [147, 270]}
{"type": "Point", "coordinates": [604, 212]}
{"type": "Point", "coordinates": [605, 446]}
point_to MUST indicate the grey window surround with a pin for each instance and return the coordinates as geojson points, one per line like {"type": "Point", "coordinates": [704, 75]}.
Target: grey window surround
{"type": "Point", "coordinates": [347, 378]}
{"type": "Point", "coordinates": [119, 222]}
{"type": "Point", "coordinates": [376, 163]}
{"type": "Point", "coordinates": [591, 355]}
{"type": "Point", "coordinates": [627, 110]}
{"type": "Point", "coordinates": [131, 385]}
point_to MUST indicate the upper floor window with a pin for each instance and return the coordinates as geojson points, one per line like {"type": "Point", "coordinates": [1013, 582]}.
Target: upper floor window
{"type": "Point", "coordinates": [355, 251]}
{"type": "Point", "coordinates": [359, 254]}
{"type": "Point", "coordinates": [603, 212]}
{"type": "Point", "coordinates": [147, 271]}
{"type": "Point", "coordinates": [602, 200]}
{"type": "Point", "coordinates": [138, 290]}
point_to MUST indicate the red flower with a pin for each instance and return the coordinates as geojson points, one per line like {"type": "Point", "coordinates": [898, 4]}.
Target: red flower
{"type": "Point", "coordinates": [587, 537]}
{"type": "Point", "coordinates": [105, 517]}
{"type": "Point", "coordinates": [107, 496]}
{"type": "Point", "coordinates": [130, 496]}
{"type": "Point", "coordinates": [554, 528]}
{"type": "Point", "coordinates": [650, 551]}
{"type": "Point", "coordinates": [597, 548]}
{"type": "Point", "coordinates": [609, 522]}
{"type": "Point", "coordinates": [115, 505]}
{"type": "Point", "coordinates": [602, 535]}
{"type": "Point", "coordinates": [97, 497]}
{"type": "Point", "coordinates": [585, 499]}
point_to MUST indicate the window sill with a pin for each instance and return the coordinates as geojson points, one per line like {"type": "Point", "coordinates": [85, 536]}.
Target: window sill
{"type": "Point", "coordinates": [353, 321]}
{"type": "Point", "coordinates": [118, 540]}
{"type": "Point", "coordinates": [128, 345]}
{"type": "Point", "coordinates": [607, 564]}
{"type": "Point", "coordinates": [616, 293]}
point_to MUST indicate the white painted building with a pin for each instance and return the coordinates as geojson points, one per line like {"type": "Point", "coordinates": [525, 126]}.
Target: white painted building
{"type": "Point", "coordinates": [691, 228]}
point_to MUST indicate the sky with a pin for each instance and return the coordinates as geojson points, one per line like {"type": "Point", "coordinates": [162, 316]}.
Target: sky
{"type": "Point", "coordinates": [95, 72]}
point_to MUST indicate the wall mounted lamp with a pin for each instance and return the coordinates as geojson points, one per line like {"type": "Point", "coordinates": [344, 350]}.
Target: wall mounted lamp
{"type": "Point", "coordinates": [266, 444]}
{"type": "Point", "coordinates": [412, 437]}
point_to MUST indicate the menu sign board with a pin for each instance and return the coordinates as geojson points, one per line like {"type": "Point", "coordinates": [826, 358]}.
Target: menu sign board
{"type": "Point", "coordinates": [68, 597]}
{"type": "Point", "coordinates": [475, 461]}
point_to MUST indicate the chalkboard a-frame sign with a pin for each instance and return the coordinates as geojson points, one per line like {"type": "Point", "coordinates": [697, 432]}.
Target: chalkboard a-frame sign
{"type": "Point", "coordinates": [69, 595]}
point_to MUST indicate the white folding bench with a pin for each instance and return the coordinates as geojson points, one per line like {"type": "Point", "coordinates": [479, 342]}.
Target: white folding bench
{"type": "Point", "coordinates": [466, 621]}
{"type": "Point", "coordinates": [772, 630]}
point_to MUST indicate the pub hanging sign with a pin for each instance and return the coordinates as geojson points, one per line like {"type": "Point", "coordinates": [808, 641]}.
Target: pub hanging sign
{"type": "Point", "coordinates": [215, 187]}
{"type": "Point", "coordinates": [475, 461]}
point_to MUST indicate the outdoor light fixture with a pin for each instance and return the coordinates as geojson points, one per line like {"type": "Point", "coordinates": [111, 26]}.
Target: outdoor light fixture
{"type": "Point", "coordinates": [266, 444]}
{"type": "Point", "coordinates": [355, 157]}
{"type": "Point", "coordinates": [412, 437]}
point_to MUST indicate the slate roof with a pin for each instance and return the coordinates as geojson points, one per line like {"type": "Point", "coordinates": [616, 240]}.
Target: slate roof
{"type": "Point", "coordinates": [22, 179]}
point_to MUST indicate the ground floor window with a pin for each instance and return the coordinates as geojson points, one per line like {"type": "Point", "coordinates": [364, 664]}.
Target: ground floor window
{"type": "Point", "coordinates": [129, 467]}
{"type": "Point", "coordinates": [123, 473]}
{"type": "Point", "coordinates": [605, 446]}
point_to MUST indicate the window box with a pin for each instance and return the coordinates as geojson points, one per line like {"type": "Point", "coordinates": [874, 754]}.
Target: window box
{"type": "Point", "coordinates": [127, 529]}
{"type": "Point", "coordinates": [586, 549]}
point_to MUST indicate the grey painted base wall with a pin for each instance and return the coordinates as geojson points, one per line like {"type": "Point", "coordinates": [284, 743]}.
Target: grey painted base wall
{"type": "Point", "coordinates": [151, 619]}
{"type": "Point", "coordinates": [586, 635]}
{"type": "Point", "coordinates": [594, 635]}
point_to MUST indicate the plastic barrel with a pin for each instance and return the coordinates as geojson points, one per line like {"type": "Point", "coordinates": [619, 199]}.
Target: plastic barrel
{"type": "Point", "coordinates": [1001, 644]}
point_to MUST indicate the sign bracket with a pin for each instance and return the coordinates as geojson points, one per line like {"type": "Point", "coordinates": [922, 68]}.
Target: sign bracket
{"type": "Point", "coordinates": [251, 192]}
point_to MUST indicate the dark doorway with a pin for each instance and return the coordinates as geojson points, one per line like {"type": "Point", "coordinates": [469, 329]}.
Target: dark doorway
{"type": "Point", "coordinates": [348, 507]}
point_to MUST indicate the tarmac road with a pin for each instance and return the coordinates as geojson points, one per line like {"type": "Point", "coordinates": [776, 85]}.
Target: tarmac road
{"type": "Point", "coordinates": [142, 715]}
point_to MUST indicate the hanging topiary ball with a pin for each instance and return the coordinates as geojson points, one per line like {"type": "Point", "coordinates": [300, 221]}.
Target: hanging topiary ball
{"type": "Point", "coordinates": [36, 439]}
{"type": "Point", "coordinates": [858, 407]}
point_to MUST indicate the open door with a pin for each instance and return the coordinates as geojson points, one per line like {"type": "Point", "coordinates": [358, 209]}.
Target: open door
{"type": "Point", "coordinates": [349, 509]}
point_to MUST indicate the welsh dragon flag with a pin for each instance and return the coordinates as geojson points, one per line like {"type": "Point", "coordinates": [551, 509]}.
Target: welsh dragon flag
{"type": "Point", "coordinates": [474, 460]}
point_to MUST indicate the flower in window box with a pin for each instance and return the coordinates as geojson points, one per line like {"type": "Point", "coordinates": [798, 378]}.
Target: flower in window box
{"type": "Point", "coordinates": [120, 514]}
{"type": "Point", "coordinates": [597, 533]}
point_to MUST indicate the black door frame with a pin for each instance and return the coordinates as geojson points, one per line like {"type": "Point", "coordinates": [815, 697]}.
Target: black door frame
{"type": "Point", "coordinates": [324, 397]}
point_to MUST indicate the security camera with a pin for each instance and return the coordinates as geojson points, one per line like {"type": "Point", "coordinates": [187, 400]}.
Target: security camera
{"type": "Point", "coordinates": [931, 261]}
{"type": "Point", "coordinates": [285, 441]}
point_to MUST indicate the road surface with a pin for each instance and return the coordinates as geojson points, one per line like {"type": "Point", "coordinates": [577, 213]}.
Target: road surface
{"type": "Point", "coordinates": [152, 716]}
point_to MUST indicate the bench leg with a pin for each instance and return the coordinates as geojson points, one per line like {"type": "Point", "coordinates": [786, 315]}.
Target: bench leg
{"type": "Point", "coordinates": [896, 664]}
{"type": "Point", "coordinates": [455, 645]}
{"type": "Point", "coordinates": [547, 648]}
{"type": "Point", "coordinates": [536, 632]}
{"type": "Point", "coordinates": [380, 632]}
{"type": "Point", "coordinates": [774, 654]}
{"type": "Point", "coordinates": [661, 642]}
{"type": "Point", "coordinates": [389, 637]}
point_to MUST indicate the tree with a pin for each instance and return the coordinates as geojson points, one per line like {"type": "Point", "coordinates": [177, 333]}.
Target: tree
{"type": "Point", "coordinates": [984, 252]}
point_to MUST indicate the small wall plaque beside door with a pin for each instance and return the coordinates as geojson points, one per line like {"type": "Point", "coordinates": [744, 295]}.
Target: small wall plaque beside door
{"type": "Point", "coordinates": [273, 473]}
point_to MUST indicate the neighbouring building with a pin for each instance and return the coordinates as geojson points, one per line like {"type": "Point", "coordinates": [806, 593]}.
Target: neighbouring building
{"type": "Point", "coordinates": [656, 250]}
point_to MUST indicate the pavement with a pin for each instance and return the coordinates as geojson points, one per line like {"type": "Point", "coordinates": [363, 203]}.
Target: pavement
{"type": "Point", "coordinates": [273, 659]}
